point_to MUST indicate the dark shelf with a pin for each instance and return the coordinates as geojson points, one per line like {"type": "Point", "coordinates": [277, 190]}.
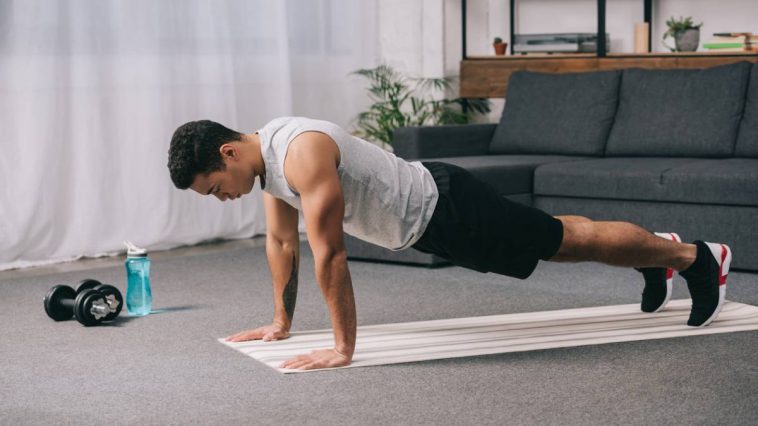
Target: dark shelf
{"type": "Point", "coordinates": [601, 43]}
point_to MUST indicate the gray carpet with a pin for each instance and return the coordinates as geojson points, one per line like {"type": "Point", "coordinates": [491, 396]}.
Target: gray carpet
{"type": "Point", "coordinates": [168, 368]}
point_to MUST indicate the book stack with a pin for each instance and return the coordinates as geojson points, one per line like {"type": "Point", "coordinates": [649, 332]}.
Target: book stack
{"type": "Point", "coordinates": [732, 42]}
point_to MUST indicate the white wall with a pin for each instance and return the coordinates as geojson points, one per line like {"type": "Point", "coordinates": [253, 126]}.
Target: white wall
{"type": "Point", "coordinates": [423, 37]}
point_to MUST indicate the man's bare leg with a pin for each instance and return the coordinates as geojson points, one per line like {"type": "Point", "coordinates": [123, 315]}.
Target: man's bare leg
{"type": "Point", "coordinates": [703, 265]}
{"type": "Point", "coordinates": [620, 244]}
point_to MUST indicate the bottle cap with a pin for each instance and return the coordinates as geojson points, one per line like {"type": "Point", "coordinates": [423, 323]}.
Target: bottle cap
{"type": "Point", "coordinates": [134, 251]}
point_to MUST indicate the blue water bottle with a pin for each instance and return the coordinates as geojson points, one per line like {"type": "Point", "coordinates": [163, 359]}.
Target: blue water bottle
{"type": "Point", "coordinates": [139, 298]}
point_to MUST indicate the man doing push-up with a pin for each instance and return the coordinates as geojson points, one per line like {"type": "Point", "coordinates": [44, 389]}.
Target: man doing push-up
{"type": "Point", "coordinates": [343, 184]}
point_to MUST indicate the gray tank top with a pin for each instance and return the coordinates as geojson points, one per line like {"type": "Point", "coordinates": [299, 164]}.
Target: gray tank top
{"type": "Point", "coordinates": [388, 201]}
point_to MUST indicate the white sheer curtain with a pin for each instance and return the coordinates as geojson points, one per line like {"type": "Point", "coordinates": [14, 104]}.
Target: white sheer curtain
{"type": "Point", "coordinates": [92, 90]}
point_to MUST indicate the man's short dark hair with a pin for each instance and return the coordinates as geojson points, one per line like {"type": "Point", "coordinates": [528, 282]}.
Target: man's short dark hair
{"type": "Point", "coordinates": [195, 150]}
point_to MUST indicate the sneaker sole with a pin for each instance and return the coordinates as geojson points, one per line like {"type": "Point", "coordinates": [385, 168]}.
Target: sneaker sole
{"type": "Point", "coordinates": [723, 254]}
{"type": "Point", "coordinates": [669, 272]}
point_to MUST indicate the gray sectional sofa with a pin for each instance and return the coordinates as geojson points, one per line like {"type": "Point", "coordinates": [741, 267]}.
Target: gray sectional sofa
{"type": "Point", "coordinates": [670, 150]}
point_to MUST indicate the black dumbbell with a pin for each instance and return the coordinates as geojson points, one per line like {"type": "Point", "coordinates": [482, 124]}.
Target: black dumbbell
{"type": "Point", "coordinates": [59, 300]}
{"type": "Point", "coordinates": [91, 304]}
{"type": "Point", "coordinates": [113, 296]}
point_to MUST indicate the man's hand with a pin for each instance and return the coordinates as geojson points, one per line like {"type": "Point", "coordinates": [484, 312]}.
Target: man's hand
{"type": "Point", "coordinates": [267, 333]}
{"type": "Point", "coordinates": [321, 358]}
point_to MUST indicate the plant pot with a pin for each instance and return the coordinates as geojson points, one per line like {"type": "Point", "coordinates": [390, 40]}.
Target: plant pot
{"type": "Point", "coordinates": [500, 48]}
{"type": "Point", "coordinates": [687, 40]}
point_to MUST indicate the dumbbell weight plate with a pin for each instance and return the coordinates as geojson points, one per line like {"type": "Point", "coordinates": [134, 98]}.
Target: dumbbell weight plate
{"type": "Point", "coordinates": [53, 305]}
{"type": "Point", "coordinates": [111, 292]}
{"type": "Point", "coordinates": [83, 306]}
{"type": "Point", "coordinates": [87, 284]}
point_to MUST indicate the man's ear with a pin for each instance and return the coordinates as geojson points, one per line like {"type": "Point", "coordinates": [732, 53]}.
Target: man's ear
{"type": "Point", "coordinates": [229, 151]}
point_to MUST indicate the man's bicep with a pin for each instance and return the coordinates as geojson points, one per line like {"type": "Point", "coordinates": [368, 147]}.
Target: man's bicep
{"type": "Point", "coordinates": [324, 210]}
{"type": "Point", "coordinates": [281, 219]}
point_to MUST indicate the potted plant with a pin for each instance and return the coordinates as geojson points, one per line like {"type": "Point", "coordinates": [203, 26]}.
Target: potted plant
{"type": "Point", "coordinates": [499, 46]}
{"type": "Point", "coordinates": [399, 101]}
{"type": "Point", "coordinates": [686, 35]}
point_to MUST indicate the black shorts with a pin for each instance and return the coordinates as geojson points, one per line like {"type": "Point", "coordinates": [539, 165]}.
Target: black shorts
{"type": "Point", "coordinates": [475, 227]}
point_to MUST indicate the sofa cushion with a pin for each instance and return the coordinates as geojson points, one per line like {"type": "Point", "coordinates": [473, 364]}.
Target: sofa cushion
{"type": "Point", "coordinates": [679, 113]}
{"type": "Point", "coordinates": [509, 174]}
{"type": "Point", "coordinates": [562, 114]}
{"type": "Point", "coordinates": [732, 181]}
{"type": "Point", "coordinates": [747, 140]}
{"type": "Point", "coordinates": [453, 140]}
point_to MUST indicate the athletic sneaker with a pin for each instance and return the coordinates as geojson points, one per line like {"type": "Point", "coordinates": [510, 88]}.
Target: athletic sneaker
{"type": "Point", "coordinates": [706, 280]}
{"type": "Point", "coordinates": [658, 282]}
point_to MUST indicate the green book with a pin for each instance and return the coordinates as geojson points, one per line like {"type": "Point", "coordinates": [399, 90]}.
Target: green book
{"type": "Point", "coordinates": [722, 45]}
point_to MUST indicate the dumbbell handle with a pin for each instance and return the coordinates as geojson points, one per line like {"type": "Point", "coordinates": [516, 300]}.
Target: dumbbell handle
{"type": "Point", "coordinates": [100, 309]}
{"type": "Point", "coordinates": [69, 303]}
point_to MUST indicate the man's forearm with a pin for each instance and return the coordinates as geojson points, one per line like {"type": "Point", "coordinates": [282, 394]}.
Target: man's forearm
{"type": "Point", "coordinates": [334, 279]}
{"type": "Point", "coordinates": [283, 259]}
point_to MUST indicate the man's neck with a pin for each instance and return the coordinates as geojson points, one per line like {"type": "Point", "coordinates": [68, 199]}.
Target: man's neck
{"type": "Point", "coordinates": [253, 145]}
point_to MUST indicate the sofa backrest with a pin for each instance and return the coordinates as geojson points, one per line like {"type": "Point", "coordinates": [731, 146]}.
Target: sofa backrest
{"type": "Point", "coordinates": [568, 113]}
{"type": "Point", "coordinates": [747, 140]}
{"type": "Point", "coordinates": [680, 112]}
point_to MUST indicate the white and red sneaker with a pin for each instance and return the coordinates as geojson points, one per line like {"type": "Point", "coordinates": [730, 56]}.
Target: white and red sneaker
{"type": "Point", "coordinates": [658, 282]}
{"type": "Point", "coordinates": [706, 280]}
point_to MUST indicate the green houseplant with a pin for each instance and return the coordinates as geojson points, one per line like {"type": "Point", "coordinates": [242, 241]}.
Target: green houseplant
{"type": "Point", "coordinates": [399, 101]}
{"type": "Point", "coordinates": [685, 33]}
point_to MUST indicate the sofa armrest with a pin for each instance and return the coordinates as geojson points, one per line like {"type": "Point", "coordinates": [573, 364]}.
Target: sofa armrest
{"type": "Point", "coordinates": [442, 141]}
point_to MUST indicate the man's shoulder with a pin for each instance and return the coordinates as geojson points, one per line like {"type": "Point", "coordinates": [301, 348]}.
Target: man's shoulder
{"type": "Point", "coordinates": [311, 156]}
{"type": "Point", "coordinates": [310, 146]}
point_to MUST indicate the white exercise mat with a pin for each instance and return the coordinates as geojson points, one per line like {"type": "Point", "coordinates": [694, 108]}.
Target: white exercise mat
{"type": "Point", "coordinates": [461, 337]}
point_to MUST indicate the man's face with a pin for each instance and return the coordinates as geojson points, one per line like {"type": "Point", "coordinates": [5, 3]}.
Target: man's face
{"type": "Point", "coordinates": [229, 184]}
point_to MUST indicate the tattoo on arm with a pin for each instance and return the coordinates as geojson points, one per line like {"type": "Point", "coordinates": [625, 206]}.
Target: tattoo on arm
{"type": "Point", "coordinates": [290, 291]}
